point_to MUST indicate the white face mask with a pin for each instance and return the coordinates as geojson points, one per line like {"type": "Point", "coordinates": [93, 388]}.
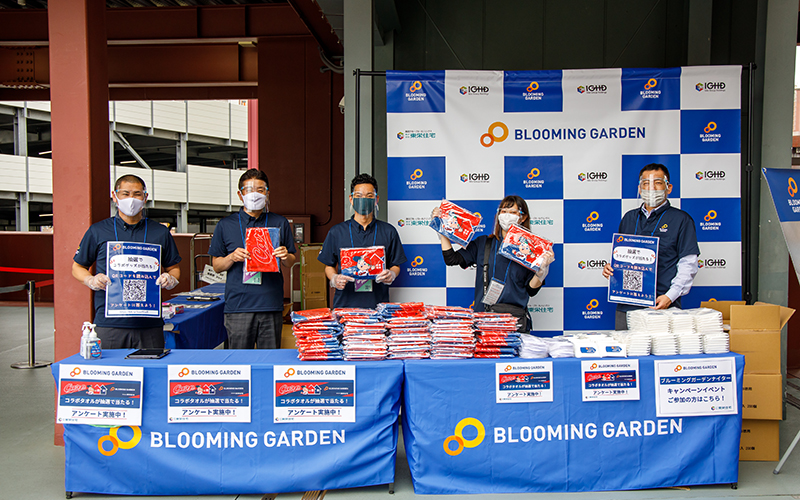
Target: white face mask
{"type": "Point", "coordinates": [653, 197]}
{"type": "Point", "coordinates": [507, 220]}
{"type": "Point", "coordinates": [130, 206]}
{"type": "Point", "coordinates": [254, 201]}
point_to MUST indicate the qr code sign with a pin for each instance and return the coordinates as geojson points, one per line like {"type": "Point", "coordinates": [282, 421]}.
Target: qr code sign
{"type": "Point", "coordinates": [134, 290]}
{"type": "Point", "coordinates": [632, 280]}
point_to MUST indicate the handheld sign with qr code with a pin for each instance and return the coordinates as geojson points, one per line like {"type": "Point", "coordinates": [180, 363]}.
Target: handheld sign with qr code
{"type": "Point", "coordinates": [634, 259]}
{"type": "Point", "coordinates": [133, 269]}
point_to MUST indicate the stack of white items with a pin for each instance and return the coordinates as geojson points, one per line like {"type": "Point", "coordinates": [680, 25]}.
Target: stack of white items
{"type": "Point", "coordinates": [409, 337]}
{"type": "Point", "coordinates": [636, 343]}
{"type": "Point", "coordinates": [708, 323]}
{"type": "Point", "coordinates": [532, 347]}
{"type": "Point", "coordinates": [560, 347]}
{"type": "Point", "coordinates": [364, 335]}
{"type": "Point", "coordinates": [497, 335]}
{"type": "Point", "coordinates": [596, 345]}
{"type": "Point", "coordinates": [452, 334]}
{"type": "Point", "coordinates": [664, 344]}
{"type": "Point", "coordinates": [648, 321]}
{"type": "Point", "coordinates": [682, 325]}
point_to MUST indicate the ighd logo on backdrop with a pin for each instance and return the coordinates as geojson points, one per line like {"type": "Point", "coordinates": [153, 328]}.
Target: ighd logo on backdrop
{"type": "Point", "coordinates": [421, 92]}
{"type": "Point", "coordinates": [494, 135]}
{"type": "Point", "coordinates": [592, 264]}
{"type": "Point", "coordinates": [711, 263]}
{"type": "Point", "coordinates": [416, 178]}
{"type": "Point", "coordinates": [705, 131]}
{"type": "Point", "coordinates": [651, 90]}
{"type": "Point", "coordinates": [458, 436]}
{"type": "Point", "coordinates": [424, 267]}
{"type": "Point", "coordinates": [475, 178]}
{"type": "Point", "coordinates": [599, 176]}
{"type": "Point", "coordinates": [710, 87]}
{"type": "Point", "coordinates": [592, 89]}
{"type": "Point", "coordinates": [474, 90]}
{"type": "Point", "coordinates": [535, 177]}
{"type": "Point", "coordinates": [710, 175]}
{"type": "Point", "coordinates": [591, 221]}
{"type": "Point", "coordinates": [532, 91]}
{"type": "Point", "coordinates": [716, 219]}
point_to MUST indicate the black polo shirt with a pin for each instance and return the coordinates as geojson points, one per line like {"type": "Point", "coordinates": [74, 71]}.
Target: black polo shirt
{"type": "Point", "coordinates": [92, 250]}
{"type": "Point", "coordinates": [230, 235]}
{"type": "Point", "coordinates": [677, 238]}
{"type": "Point", "coordinates": [351, 234]}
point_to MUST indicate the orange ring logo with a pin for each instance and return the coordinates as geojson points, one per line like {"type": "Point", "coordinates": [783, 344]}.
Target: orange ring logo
{"type": "Point", "coordinates": [116, 443]}
{"type": "Point", "coordinates": [507, 368]}
{"type": "Point", "coordinates": [417, 261]}
{"type": "Point", "coordinates": [712, 126]}
{"type": "Point", "coordinates": [116, 247]}
{"type": "Point", "coordinates": [619, 239]}
{"type": "Point", "coordinates": [593, 217]}
{"type": "Point", "coordinates": [594, 365]}
{"type": "Point", "coordinates": [650, 84]}
{"type": "Point", "coordinates": [533, 173]}
{"type": "Point", "coordinates": [533, 86]}
{"type": "Point", "coordinates": [678, 368]}
{"type": "Point", "coordinates": [416, 86]}
{"type": "Point", "coordinates": [592, 304]}
{"type": "Point", "coordinates": [75, 372]}
{"type": "Point", "coordinates": [458, 436]}
{"type": "Point", "coordinates": [416, 175]}
{"type": "Point", "coordinates": [183, 372]}
{"type": "Point", "coordinates": [491, 138]}
{"type": "Point", "coordinates": [712, 214]}
{"type": "Point", "coordinates": [792, 187]}
{"type": "Point", "coordinates": [289, 373]}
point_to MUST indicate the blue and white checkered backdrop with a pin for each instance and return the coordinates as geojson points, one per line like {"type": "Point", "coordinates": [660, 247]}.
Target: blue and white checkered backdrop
{"type": "Point", "coordinates": [570, 143]}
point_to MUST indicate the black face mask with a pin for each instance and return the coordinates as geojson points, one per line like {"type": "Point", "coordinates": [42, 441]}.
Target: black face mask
{"type": "Point", "coordinates": [364, 206]}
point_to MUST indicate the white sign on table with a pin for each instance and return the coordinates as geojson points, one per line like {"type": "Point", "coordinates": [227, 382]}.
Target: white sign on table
{"type": "Point", "coordinates": [528, 382]}
{"type": "Point", "coordinates": [696, 387]}
{"type": "Point", "coordinates": [208, 393]}
{"type": "Point", "coordinates": [610, 380]}
{"type": "Point", "coordinates": [99, 395]}
{"type": "Point", "coordinates": [314, 393]}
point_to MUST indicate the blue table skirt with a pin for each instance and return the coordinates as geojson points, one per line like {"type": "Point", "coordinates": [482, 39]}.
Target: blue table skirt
{"type": "Point", "coordinates": [159, 465]}
{"type": "Point", "coordinates": [560, 446]}
{"type": "Point", "coordinates": [198, 328]}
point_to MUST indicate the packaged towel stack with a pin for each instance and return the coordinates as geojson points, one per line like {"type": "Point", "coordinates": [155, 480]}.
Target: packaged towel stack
{"type": "Point", "coordinates": [399, 310]}
{"type": "Point", "coordinates": [497, 335]}
{"type": "Point", "coordinates": [317, 335]}
{"type": "Point", "coordinates": [452, 333]}
{"type": "Point", "coordinates": [409, 337]}
{"type": "Point", "coordinates": [364, 335]}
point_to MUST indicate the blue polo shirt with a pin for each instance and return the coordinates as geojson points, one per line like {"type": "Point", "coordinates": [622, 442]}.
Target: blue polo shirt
{"type": "Point", "coordinates": [351, 234]}
{"type": "Point", "coordinates": [230, 235]}
{"type": "Point", "coordinates": [92, 250]}
{"type": "Point", "coordinates": [515, 276]}
{"type": "Point", "coordinates": [677, 238]}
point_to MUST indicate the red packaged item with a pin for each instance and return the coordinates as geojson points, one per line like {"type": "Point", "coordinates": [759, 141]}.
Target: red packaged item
{"type": "Point", "coordinates": [261, 243]}
{"type": "Point", "coordinates": [455, 223]}
{"type": "Point", "coordinates": [362, 263]}
{"type": "Point", "coordinates": [524, 247]}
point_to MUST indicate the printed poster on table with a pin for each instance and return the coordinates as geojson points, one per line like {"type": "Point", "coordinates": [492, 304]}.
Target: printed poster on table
{"type": "Point", "coordinates": [314, 393]}
{"type": "Point", "coordinates": [610, 380]}
{"type": "Point", "coordinates": [208, 393]}
{"type": "Point", "coordinates": [634, 261]}
{"type": "Point", "coordinates": [696, 387]}
{"type": "Point", "coordinates": [99, 395]}
{"type": "Point", "coordinates": [133, 269]}
{"type": "Point", "coordinates": [529, 382]}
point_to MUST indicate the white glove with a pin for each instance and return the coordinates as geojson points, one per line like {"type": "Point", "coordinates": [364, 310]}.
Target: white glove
{"type": "Point", "coordinates": [340, 280]}
{"type": "Point", "coordinates": [97, 282]}
{"type": "Point", "coordinates": [387, 277]}
{"type": "Point", "coordinates": [545, 267]}
{"type": "Point", "coordinates": [167, 281]}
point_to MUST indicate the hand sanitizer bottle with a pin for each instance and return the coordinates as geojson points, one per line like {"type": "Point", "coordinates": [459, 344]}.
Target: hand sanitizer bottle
{"type": "Point", "coordinates": [85, 349]}
{"type": "Point", "coordinates": [95, 350]}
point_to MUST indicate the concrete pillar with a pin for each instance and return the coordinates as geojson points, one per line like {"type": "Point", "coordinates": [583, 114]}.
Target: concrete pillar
{"type": "Point", "coordinates": [181, 162]}
{"type": "Point", "coordinates": [79, 103]}
{"type": "Point", "coordinates": [358, 47]}
{"type": "Point", "coordinates": [699, 37]}
{"type": "Point", "coordinates": [21, 149]}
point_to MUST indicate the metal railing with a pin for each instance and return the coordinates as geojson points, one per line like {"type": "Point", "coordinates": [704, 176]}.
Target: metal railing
{"type": "Point", "coordinates": [30, 286]}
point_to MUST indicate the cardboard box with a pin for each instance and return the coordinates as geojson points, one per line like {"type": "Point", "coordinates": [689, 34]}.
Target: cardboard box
{"type": "Point", "coordinates": [761, 349]}
{"type": "Point", "coordinates": [760, 440]}
{"type": "Point", "coordinates": [762, 396]}
{"type": "Point", "coordinates": [723, 306]}
{"type": "Point", "coordinates": [287, 338]}
{"type": "Point", "coordinates": [314, 282]}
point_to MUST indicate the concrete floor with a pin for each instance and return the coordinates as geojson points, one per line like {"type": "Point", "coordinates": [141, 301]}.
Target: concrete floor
{"type": "Point", "coordinates": [31, 467]}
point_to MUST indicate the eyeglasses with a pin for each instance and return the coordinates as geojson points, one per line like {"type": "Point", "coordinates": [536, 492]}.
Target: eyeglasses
{"type": "Point", "coordinates": [657, 183]}
{"type": "Point", "coordinates": [139, 195]}
{"type": "Point", "coordinates": [251, 189]}
{"type": "Point", "coordinates": [371, 196]}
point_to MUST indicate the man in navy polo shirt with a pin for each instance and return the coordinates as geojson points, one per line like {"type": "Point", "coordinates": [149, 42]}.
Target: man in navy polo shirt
{"type": "Point", "coordinates": [362, 230]}
{"type": "Point", "coordinates": [253, 301]}
{"type": "Point", "coordinates": [677, 246]}
{"type": "Point", "coordinates": [130, 195]}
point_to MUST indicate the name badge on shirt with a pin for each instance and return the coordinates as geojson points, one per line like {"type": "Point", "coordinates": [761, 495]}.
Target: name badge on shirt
{"type": "Point", "coordinates": [493, 293]}
{"type": "Point", "coordinates": [251, 278]}
{"type": "Point", "coordinates": [363, 285]}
